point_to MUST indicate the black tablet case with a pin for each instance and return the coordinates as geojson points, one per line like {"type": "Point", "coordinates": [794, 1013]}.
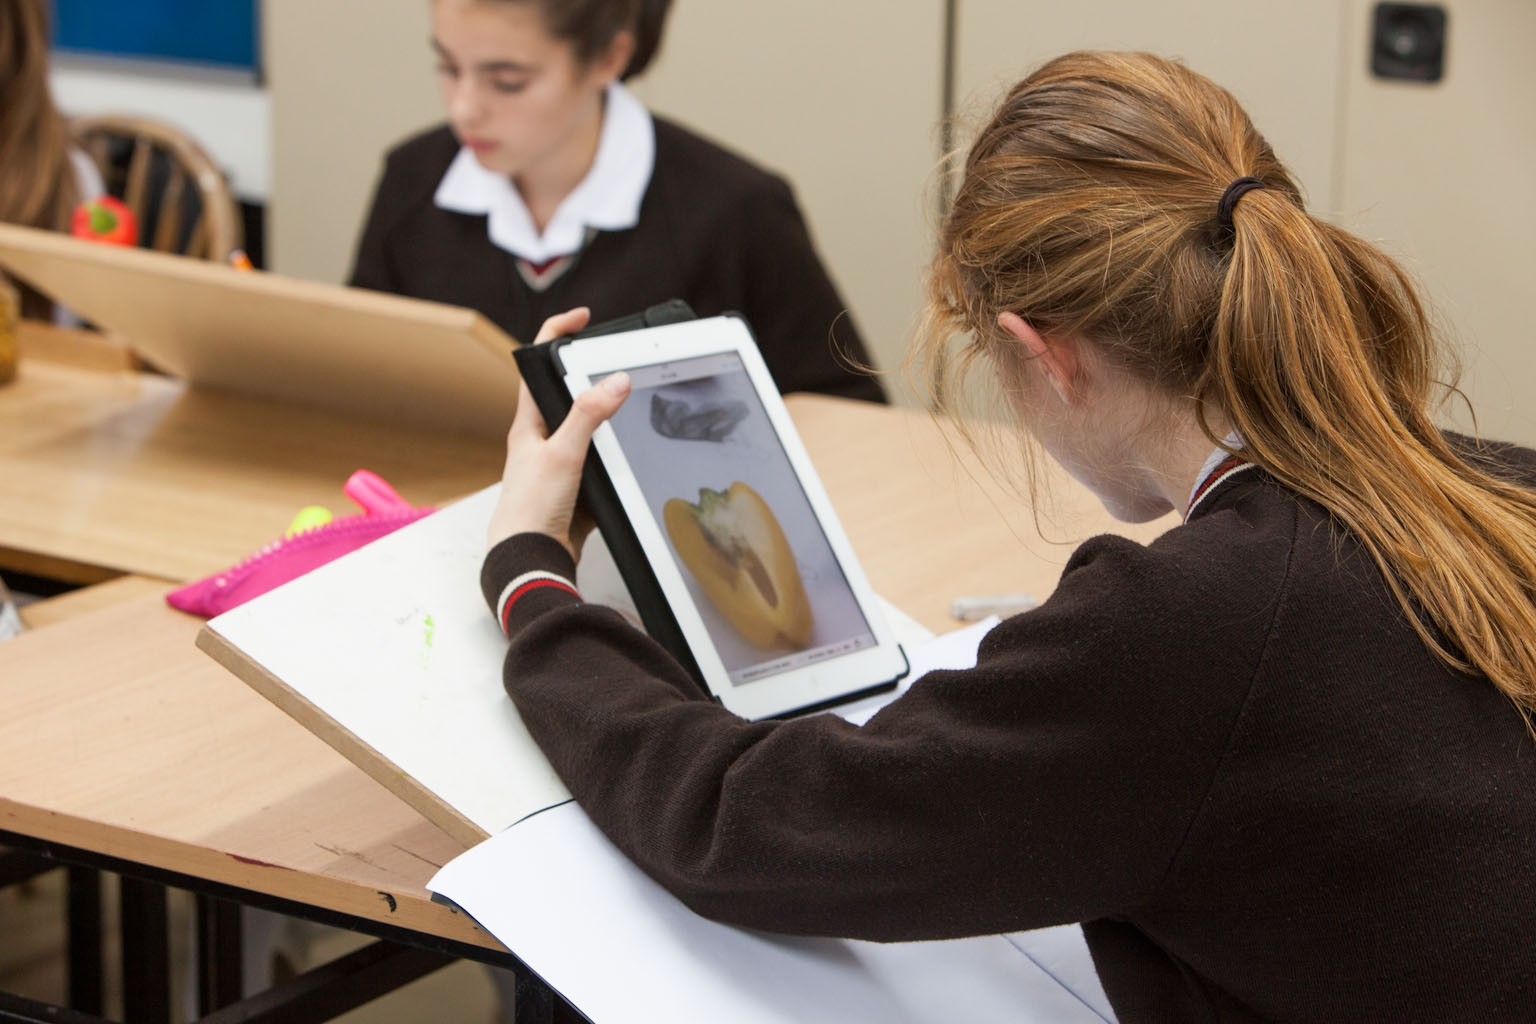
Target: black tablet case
{"type": "Point", "coordinates": [540, 371]}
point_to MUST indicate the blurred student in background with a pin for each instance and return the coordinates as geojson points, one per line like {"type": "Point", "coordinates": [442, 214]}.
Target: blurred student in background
{"type": "Point", "coordinates": [551, 186]}
{"type": "Point", "coordinates": [43, 176]}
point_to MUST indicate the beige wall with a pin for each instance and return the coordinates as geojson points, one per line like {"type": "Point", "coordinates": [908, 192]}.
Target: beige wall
{"type": "Point", "coordinates": [1438, 174]}
{"type": "Point", "coordinates": [1282, 61]}
{"type": "Point", "coordinates": [1441, 175]}
{"type": "Point", "coordinates": [844, 97]}
{"type": "Point", "coordinates": [841, 97]}
{"type": "Point", "coordinates": [347, 78]}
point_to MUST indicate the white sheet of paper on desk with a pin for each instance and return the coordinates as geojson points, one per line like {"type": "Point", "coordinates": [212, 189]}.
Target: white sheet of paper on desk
{"type": "Point", "coordinates": [621, 949]}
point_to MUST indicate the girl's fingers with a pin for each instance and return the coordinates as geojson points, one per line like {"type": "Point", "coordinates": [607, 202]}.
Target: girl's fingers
{"type": "Point", "coordinates": [569, 322]}
{"type": "Point", "coordinates": [591, 409]}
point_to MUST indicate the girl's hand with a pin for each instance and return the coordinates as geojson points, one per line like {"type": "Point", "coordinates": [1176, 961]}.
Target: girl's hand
{"type": "Point", "coordinates": [543, 471]}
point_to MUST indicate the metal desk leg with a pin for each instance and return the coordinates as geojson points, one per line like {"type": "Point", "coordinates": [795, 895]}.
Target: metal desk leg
{"type": "Point", "coordinates": [332, 989]}
{"type": "Point", "coordinates": [565, 1013]}
{"type": "Point", "coordinates": [146, 959]}
{"type": "Point", "coordinates": [82, 887]}
{"type": "Point", "coordinates": [16, 1009]}
{"type": "Point", "coordinates": [534, 1002]}
{"type": "Point", "coordinates": [220, 979]}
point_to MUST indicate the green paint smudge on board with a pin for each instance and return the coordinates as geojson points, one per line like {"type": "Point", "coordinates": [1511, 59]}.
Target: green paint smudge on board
{"type": "Point", "coordinates": [431, 629]}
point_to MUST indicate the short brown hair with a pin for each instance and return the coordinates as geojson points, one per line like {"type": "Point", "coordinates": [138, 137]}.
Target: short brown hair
{"type": "Point", "coordinates": [590, 26]}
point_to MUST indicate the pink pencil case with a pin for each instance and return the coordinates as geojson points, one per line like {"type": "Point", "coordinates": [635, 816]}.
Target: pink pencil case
{"type": "Point", "coordinates": [384, 511]}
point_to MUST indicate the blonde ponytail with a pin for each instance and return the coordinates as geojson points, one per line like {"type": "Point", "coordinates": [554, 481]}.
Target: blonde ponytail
{"type": "Point", "coordinates": [1324, 361]}
{"type": "Point", "coordinates": [1093, 203]}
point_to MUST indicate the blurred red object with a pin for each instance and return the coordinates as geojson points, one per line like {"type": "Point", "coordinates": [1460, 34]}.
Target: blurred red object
{"type": "Point", "coordinates": [105, 219]}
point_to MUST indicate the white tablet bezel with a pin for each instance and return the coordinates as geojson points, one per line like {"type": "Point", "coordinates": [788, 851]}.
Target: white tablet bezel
{"type": "Point", "coordinates": [583, 360]}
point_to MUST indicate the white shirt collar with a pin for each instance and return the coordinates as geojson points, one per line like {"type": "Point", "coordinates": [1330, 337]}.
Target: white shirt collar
{"type": "Point", "coordinates": [1213, 462]}
{"type": "Point", "coordinates": [607, 199]}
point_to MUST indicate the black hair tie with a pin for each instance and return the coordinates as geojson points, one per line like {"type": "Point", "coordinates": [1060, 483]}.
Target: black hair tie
{"type": "Point", "coordinates": [1229, 198]}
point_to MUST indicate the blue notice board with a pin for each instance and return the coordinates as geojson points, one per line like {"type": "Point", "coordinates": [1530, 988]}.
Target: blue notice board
{"type": "Point", "coordinates": [221, 33]}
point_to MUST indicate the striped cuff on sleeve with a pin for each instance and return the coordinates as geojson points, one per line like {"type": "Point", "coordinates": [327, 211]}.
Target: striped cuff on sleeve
{"type": "Point", "coordinates": [524, 585]}
{"type": "Point", "coordinates": [525, 576]}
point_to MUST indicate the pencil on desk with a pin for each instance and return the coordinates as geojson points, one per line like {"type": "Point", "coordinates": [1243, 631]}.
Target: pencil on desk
{"type": "Point", "coordinates": [977, 607]}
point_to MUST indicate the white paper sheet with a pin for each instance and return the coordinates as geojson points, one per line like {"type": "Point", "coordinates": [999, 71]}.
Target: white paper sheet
{"type": "Point", "coordinates": [622, 950]}
{"type": "Point", "coordinates": [393, 644]}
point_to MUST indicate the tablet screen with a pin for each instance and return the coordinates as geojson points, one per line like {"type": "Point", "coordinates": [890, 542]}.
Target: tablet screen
{"type": "Point", "coordinates": [705, 481]}
{"type": "Point", "coordinates": [741, 530]}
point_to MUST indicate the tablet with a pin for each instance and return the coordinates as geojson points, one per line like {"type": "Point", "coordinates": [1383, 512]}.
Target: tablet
{"type": "Point", "coordinates": [732, 520]}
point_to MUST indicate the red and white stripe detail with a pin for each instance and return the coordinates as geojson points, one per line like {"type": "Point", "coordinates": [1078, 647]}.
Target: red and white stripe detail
{"type": "Point", "coordinates": [1219, 474]}
{"type": "Point", "coordinates": [526, 584]}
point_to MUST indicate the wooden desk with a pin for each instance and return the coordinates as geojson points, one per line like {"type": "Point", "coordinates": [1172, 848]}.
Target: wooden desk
{"type": "Point", "coordinates": [123, 740]}
{"type": "Point", "coordinates": [142, 755]}
{"type": "Point", "coordinates": [928, 521]}
{"type": "Point", "coordinates": [121, 737]}
{"type": "Point", "coordinates": [104, 472]}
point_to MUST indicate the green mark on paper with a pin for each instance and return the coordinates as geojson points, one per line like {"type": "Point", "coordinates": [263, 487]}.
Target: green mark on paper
{"type": "Point", "coordinates": [428, 634]}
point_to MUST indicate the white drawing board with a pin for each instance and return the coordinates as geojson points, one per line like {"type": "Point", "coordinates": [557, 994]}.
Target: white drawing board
{"type": "Point", "coordinates": [390, 655]}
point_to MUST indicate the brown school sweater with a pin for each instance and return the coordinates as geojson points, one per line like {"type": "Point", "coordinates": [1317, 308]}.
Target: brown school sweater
{"type": "Point", "coordinates": [1225, 752]}
{"type": "Point", "coordinates": [714, 230]}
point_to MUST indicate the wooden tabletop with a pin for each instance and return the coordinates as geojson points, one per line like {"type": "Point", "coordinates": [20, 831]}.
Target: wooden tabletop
{"type": "Point", "coordinates": [121, 737]}
{"type": "Point", "coordinates": [104, 472]}
{"type": "Point", "coordinates": [928, 519]}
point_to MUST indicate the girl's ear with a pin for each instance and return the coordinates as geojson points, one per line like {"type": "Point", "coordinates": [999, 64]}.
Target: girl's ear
{"type": "Point", "coordinates": [1057, 359]}
{"type": "Point", "coordinates": [611, 63]}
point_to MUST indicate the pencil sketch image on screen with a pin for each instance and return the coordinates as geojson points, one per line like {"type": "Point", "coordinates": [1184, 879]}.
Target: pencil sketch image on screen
{"type": "Point", "coordinates": [739, 527]}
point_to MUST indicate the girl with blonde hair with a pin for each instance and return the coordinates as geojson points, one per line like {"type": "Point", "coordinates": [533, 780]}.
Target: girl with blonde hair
{"type": "Point", "coordinates": [1279, 762]}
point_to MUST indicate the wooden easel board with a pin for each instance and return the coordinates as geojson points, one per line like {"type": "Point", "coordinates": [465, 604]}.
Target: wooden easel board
{"type": "Point", "coordinates": [390, 655]}
{"type": "Point", "coordinates": [254, 333]}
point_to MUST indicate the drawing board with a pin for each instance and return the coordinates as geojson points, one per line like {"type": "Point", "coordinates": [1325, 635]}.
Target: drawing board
{"type": "Point", "coordinates": [255, 333]}
{"type": "Point", "coordinates": [390, 655]}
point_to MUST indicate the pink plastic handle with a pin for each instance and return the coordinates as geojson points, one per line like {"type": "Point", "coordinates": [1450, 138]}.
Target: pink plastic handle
{"type": "Point", "coordinates": [372, 494]}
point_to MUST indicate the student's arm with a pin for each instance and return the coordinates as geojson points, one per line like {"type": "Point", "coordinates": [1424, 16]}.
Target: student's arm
{"type": "Point", "coordinates": [406, 184]}
{"type": "Point", "coordinates": [1054, 782]}
{"type": "Point", "coordinates": [371, 263]}
{"type": "Point", "coordinates": [1036, 789]}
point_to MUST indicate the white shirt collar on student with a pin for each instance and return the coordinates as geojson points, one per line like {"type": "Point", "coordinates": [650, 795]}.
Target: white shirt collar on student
{"type": "Point", "coordinates": [607, 199]}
